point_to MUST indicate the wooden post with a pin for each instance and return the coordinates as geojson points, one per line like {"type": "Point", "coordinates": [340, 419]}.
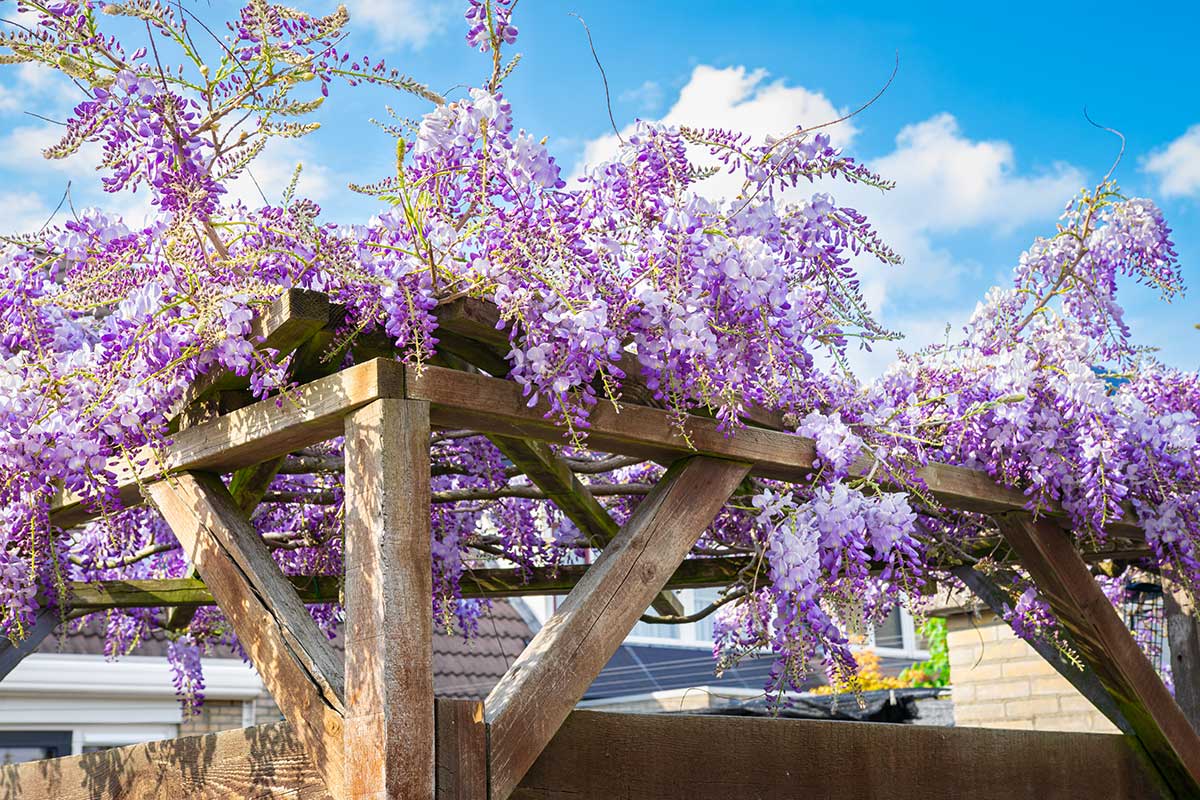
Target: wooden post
{"type": "Point", "coordinates": [292, 656]}
{"type": "Point", "coordinates": [537, 693]}
{"type": "Point", "coordinates": [389, 734]}
{"type": "Point", "coordinates": [1105, 644]}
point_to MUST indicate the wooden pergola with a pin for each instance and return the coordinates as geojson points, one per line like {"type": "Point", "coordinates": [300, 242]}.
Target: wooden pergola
{"type": "Point", "coordinates": [372, 728]}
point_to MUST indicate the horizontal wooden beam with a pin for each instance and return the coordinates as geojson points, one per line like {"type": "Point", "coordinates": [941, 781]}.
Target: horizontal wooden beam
{"type": "Point", "coordinates": [496, 406]}
{"type": "Point", "coordinates": [88, 596]}
{"type": "Point", "coordinates": [261, 431]}
{"type": "Point", "coordinates": [667, 756]}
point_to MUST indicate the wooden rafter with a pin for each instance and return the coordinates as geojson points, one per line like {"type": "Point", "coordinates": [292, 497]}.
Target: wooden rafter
{"type": "Point", "coordinates": [87, 596]}
{"type": "Point", "coordinates": [292, 656]}
{"type": "Point", "coordinates": [389, 732]}
{"type": "Point", "coordinates": [537, 693]}
{"type": "Point", "coordinates": [1108, 648]}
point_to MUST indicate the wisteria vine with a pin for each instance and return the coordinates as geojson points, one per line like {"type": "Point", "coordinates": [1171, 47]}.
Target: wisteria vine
{"type": "Point", "coordinates": [628, 281]}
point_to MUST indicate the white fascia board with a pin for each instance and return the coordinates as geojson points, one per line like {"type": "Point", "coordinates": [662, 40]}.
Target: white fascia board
{"type": "Point", "coordinates": [131, 676]}
{"type": "Point", "coordinates": [67, 712]}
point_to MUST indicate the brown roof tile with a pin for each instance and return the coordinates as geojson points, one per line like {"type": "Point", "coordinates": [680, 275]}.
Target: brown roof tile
{"type": "Point", "coordinates": [462, 668]}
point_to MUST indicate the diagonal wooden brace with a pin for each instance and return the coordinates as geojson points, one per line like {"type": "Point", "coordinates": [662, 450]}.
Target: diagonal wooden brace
{"type": "Point", "coordinates": [537, 693]}
{"type": "Point", "coordinates": [389, 733]}
{"type": "Point", "coordinates": [293, 657]}
{"type": "Point", "coordinates": [1105, 644]}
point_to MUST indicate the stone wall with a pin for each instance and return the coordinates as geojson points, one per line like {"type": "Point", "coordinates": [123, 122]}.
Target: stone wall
{"type": "Point", "coordinates": [999, 681]}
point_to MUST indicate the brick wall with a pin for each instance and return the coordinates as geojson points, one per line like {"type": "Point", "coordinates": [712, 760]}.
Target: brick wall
{"type": "Point", "coordinates": [999, 681]}
{"type": "Point", "coordinates": [215, 715]}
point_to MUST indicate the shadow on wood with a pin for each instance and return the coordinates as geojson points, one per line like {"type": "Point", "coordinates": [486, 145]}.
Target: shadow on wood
{"type": "Point", "coordinates": [654, 756]}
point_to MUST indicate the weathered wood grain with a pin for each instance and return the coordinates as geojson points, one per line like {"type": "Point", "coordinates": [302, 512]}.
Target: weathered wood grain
{"type": "Point", "coordinates": [599, 756]}
{"type": "Point", "coordinates": [488, 582]}
{"type": "Point", "coordinates": [462, 757]}
{"type": "Point", "coordinates": [1183, 638]}
{"type": "Point", "coordinates": [294, 659]}
{"type": "Point", "coordinates": [389, 733]}
{"type": "Point", "coordinates": [267, 761]}
{"type": "Point", "coordinates": [545, 682]}
{"type": "Point", "coordinates": [259, 432]}
{"type": "Point", "coordinates": [88, 596]}
{"type": "Point", "coordinates": [1105, 644]}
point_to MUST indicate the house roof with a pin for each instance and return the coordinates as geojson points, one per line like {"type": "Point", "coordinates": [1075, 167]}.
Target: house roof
{"type": "Point", "coordinates": [466, 669]}
{"type": "Point", "coordinates": [638, 669]}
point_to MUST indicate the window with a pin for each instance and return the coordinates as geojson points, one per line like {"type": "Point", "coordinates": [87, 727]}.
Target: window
{"type": "Point", "coordinates": [18, 746]}
{"type": "Point", "coordinates": [698, 634]}
{"type": "Point", "coordinates": [896, 637]}
{"type": "Point", "coordinates": [890, 632]}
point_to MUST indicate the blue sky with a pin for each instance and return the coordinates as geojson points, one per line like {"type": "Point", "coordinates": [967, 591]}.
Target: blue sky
{"type": "Point", "coordinates": [983, 127]}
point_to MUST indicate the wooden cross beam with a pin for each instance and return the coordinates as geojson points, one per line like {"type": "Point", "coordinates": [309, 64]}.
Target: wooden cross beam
{"type": "Point", "coordinates": [537, 693]}
{"type": "Point", "coordinates": [313, 413]}
{"type": "Point", "coordinates": [497, 582]}
{"type": "Point", "coordinates": [1108, 648]}
{"type": "Point", "coordinates": [497, 407]}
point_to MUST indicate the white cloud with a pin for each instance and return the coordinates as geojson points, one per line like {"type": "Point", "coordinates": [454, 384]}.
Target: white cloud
{"type": "Point", "coordinates": [647, 97]}
{"type": "Point", "coordinates": [403, 22]}
{"type": "Point", "coordinates": [35, 87]}
{"type": "Point", "coordinates": [24, 212]}
{"type": "Point", "coordinates": [1177, 166]}
{"type": "Point", "coordinates": [947, 183]}
{"type": "Point", "coordinates": [21, 150]}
